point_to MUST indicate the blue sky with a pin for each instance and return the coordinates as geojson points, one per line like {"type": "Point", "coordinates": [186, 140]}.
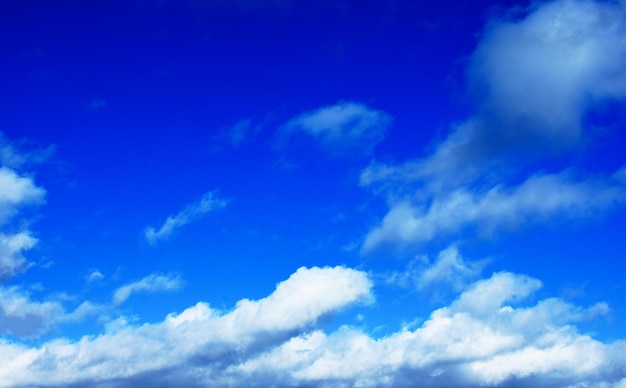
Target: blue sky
{"type": "Point", "coordinates": [327, 193]}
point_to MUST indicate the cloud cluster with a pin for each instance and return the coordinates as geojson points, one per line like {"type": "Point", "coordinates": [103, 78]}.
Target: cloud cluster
{"type": "Point", "coordinates": [208, 203]}
{"type": "Point", "coordinates": [341, 127]}
{"type": "Point", "coordinates": [486, 336]}
{"type": "Point", "coordinates": [534, 77]}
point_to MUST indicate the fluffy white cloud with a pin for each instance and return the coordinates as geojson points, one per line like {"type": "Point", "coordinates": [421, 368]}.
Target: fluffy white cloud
{"type": "Point", "coordinates": [209, 202]}
{"type": "Point", "coordinates": [343, 126]}
{"type": "Point", "coordinates": [479, 339]}
{"type": "Point", "coordinates": [538, 198]}
{"type": "Point", "coordinates": [191, 347]}
{"type": "Point", "coordinates": [151, 283]}
{"type": "Point", "coordinates": [487, 336]}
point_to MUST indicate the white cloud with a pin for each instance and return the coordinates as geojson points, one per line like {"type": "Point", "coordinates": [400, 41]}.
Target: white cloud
{"type": "Point", "coordinates": [343, 126]}
{"type": "Point", "coordinates": [539, 198]}
{"type": "Point", "coordinates": [16, 191]}
{"type": "Point", "coordinates": [209, 202]}
{"type": "Point", "coordinates": [534, 80]}
{"type": "Point", "coordinates": [479, 339]}
{"type": "Point", "coordinates": [483, 337]}
{"type": "Point", "coordinates": [22, 317]}
{"type": "Point", "coordinates": [151, 283]}
{"type": "Point", "coordinates": [537, 78]}
{"type": "Point", "coordinates": [12, 247]}
{"type": "Point", "coordinates": [191, 347]}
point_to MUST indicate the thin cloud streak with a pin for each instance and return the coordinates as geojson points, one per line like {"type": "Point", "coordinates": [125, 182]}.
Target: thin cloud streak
{"type": "Point", "coordinates": [151, 283]}
{"type": "Point", "coordinates": [208, 203]}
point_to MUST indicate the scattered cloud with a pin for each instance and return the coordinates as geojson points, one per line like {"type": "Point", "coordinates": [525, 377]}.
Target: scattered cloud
{"type": "Point", "coordinates": [151, 283]}
{"type": "Point", "coordinates": [483, 337]}
{"type": "Point", "coordinates": [343, 126]}
{"type": "Point", "coordinates": [540, 197]}
{"type": "Point", "coordinates": [209, 202]}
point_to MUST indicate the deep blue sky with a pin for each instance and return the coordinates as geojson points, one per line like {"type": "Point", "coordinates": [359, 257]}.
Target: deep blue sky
{"type": "Point", "coordinates": [444, 180]}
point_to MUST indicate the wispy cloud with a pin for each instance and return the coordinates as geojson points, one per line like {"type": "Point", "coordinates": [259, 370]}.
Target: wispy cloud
{"type": "Point", "coordinates": [343, 126]}
{"type": "Point", "coordinates": [481, 338]}
{"type": "Point", "coordinates": [209, 202]}
{"type": "Point", "coordinates": [151, 283]}
{"type": "Point", "coordinates": [540, 197]}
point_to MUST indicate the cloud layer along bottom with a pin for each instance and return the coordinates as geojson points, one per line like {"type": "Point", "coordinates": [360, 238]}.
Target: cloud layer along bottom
{"type": "Point", "coordinates": [486, 336]}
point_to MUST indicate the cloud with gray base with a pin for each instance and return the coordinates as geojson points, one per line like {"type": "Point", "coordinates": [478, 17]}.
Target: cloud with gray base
{"type": "Point", "coordinates": [487, 336]}
{"type": "Point", "coordinates": [535, 77]}
{"type": "Point", "coordinates": [208, 203]}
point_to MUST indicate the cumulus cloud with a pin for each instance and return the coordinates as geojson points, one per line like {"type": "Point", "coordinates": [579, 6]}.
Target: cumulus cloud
{"type": "Point", "coordinates": [343, 126]}
{"type": "Point", "coordinates": [487, 336]}
{"type": "Point", "coordinates": [151, 283]}
{"type": "Point", "coordinates": [459, 345]}
{"type": "Point", "coordinates": [192, 347]}
{"type": "Point", "coordinates": [540, 197]}
{"type": "Point", "coordinates": [208, 203]}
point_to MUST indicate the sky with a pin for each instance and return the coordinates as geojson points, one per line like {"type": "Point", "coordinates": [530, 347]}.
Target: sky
{"type": "Point", "coordinates": [320, 193]}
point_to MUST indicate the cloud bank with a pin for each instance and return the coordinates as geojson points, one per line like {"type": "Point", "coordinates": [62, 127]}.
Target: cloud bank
{"type": "Point", "coordinates": [487, 336]}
